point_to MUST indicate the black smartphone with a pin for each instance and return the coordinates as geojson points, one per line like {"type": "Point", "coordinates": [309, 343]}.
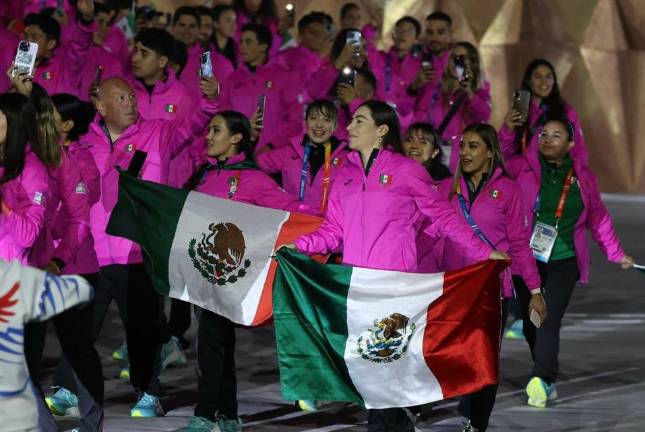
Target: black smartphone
{"type": "Point", "coordinates": [262, 104]}
{"type": "Point", "coordinates": [521, 101]}
{"type": "Point", "coordinates": [460, 67]}
{"type": "Point", "coordinates": [98, 74]}
{"type": "Point", "coordinates": [348, 76]}
{"type": "Point", "coordinates": [136, 164]}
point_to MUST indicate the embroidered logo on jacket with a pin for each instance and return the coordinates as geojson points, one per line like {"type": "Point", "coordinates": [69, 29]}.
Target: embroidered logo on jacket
{"type": "Point", "coordinates": [39, 198]}
{"type": "Point", "coordinates": [385, 179]}
{"type": "Point", "coordinates": [496, 193]}
{"type": "Point", "coordinates": [81, 188]}
{"type": "Point", "coordinates": [171, 108]}
{"type": "Point", "coordinates": [47, 75]}
{"type": "Point", "coordinates": [130, 148]}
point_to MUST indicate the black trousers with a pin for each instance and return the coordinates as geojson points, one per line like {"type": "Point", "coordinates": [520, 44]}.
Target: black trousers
{"type": "Point", "coordinates": [74, 331]}
{"type": "Point", "coordinates": [179, 320]}
{"type": "Point", "coordinates": [216, 361]}
{"type": "Point", "coordinates": [558, 279]}
{"type": "Point", "coordinates": [140, 309]}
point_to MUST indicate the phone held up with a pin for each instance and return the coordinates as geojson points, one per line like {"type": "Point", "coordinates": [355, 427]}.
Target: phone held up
{"type": "Point", "coordinates": [348, 76]}
{"type": "Point", "coordinates": [205, 66]}
{"type": "Point", "coordinates": [262, 104]}
{"type": "Point", "coordinates": [354, 39]}
{"type": "Point", "coordinates": [25, 58]}
{"type": "Point", "coordinates": [460, 68]}
{"type": "Point", "coordinates": [521, 101]}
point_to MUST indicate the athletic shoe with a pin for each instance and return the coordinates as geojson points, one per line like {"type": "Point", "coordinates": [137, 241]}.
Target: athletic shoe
{"type": "Point", "coordinates": [515, 332]}
{"type": "Point", "coordinates": [308, 405]}
{"type": "Point", "coordinates": [539, 392]}
{"type": "Point", "coordinates": [63, 403]}
{"type": "Point", "coordinates": [226, 425]}
{"type": "Point", "coordinates": [147, 406]}
{"type": "Point", "coordinates": [171, 353]}
{"type": "Point", "coordinates": [121, 354]}
{"type": "Point", "coordinates": [199, 424]}
{"type": "Point", "coordinates": [124, 373]}
{"type": "Point", "coordinates": [469, 427]}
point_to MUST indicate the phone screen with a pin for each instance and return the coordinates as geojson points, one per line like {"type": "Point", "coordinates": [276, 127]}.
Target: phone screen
{"type": "Point", "coordinates": [206, 67]}
{"type": "Point", "coordinates": [262, 102]}
{"type": "Point", "coordinates": [348, 76]}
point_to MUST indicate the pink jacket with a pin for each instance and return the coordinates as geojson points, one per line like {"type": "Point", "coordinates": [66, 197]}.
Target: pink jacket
{"type": "Point", "coordinates": [508, 142]}
{"type": "Point", "coordinates": [35, 6]}
{"type": "Point", "coordinates": [287, 160]}
{"type": "Point", "coordinates": [243, 19]}
{"type": "Point", "coordinates": [24, 201]}
{"type": "Point", "coordinates": [252, 186]}
{"type": "Point", "coordinates": [8, 46]}
{"type": "Point", "coordinates": [283, 113]}
{"type": "Point", "coordinates": [162, 140]}
{"type": "Point", "coordinates": [526, 171]}
{"type": "Point", "coordinates": [222, 67]}
{"type": "Point", "coordinates": [374, 220]}
{"type": "Point", "coordinates": [67, 209]}
{"type": "Point", "coordinates": [98, 56]}
{"type": "Point", "coordinates": [433, 106]}
{"type": "Point", "coordinates": [393, 78]}
{"type": "Point", "coordinates": [116, 44]}
{"type": "Point", "coordinates": [62, 72]}
{"type": "Point", "coordinates": [499, 212]}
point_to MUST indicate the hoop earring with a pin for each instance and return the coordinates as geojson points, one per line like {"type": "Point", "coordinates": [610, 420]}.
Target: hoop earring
{"type": "Point", "coordinates": [380, 141]}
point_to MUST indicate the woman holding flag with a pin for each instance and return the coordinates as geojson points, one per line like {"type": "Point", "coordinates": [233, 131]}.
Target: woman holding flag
{"type": "Point", "coordinates": [394, 193]}
{"type": "Point", "coordinates": [563, 194]}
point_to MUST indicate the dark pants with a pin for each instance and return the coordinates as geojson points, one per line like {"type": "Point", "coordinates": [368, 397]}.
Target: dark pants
{"type": "Point", "coordinates": [179, 320]}
{"type": "Point", "coordinates": [558, 279]}
{"type": "Point", "coordinates": [389, 420]}
{"type": "Point", "coordinates": [140, 308]}
{"type": "Point", "coordinates": [478, 406]}
{"type": "Point", "coordinates": [216, 361]}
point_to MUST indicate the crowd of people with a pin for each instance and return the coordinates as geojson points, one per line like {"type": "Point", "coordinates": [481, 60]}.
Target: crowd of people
{"type": "Point", "coordinates": [392, 148]}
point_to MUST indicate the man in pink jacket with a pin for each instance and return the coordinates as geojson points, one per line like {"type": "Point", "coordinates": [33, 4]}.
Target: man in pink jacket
{"type": "Point", "coordinates": [59, 69]}
{"type": "Point", "coordinates": [260, 75]}
{"type": "Point", "coordinates": [114, 138]}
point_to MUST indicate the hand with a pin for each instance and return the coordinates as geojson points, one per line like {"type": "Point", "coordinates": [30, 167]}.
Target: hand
{"type": "Point", "coordinates": [52, 268]}
{"type": "Point", "coordinates": [86, 9]}
{"type": "Point", "coordinates": [287, 246]}
{"type": "Point", "coordinates": [287, 21]}
{"type": "Point", "coordinates": [209, 87]}
{"type": "Point", "coordinates": [627, 262]}
{"type": "Point", "coordinates": [345, 57]}
{"type": "Point", "coordinates": [425, 75]}
{"type": "Point", "coordinates": [61, 17]}
{"type": "Point", "coordinates": [346, 93]}
{"type": "Point", "coordinates": [498, 255]}
{"type": "Point", "coordinates": [513, 119]}
{"type": "Point", "coordinates": [467, 83]}
{"type": "Point", "coordinates": [257, 123]}
{"type": "Point", "coordinates": [538, 305]}
{"type": "Point", "coordinates": [21, 82]}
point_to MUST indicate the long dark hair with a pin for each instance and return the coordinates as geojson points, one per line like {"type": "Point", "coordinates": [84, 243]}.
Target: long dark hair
{"type": "Point", "coordinates": [72, 108]}
{"type": "Point", "coordinates": [236, 123]}
{"type": "Point", "coordinates": [488, 134]}
{"type": "Point", "coordinates": [339, 44]}
{"type": "Point", "coordinates": [267, 12]}
{"type": "Point", "coordinates": [20, 119]}
{"type": "Point", "coordinates": [553, 102]}
{"type": "Point", "coordinates": [383, 114]}
{"type": "Point", "coordinates": [436, 169]}
{"type": "Point", "coordinates": [450, 83]}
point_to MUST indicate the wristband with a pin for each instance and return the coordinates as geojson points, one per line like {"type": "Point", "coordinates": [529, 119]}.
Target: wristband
{"type": "Point", "coordinates": [536, 291]}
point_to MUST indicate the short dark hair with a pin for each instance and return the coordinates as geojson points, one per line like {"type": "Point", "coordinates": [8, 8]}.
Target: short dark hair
{"type": "Point", "coordinates": [267, 10]}
{"type": "Point", "coordinates": [46, 23]}
{"type": "Point", "coordinates": [102, 8]}
{"type": "Point", "coordinates": [219, 10]}
{"type": "Point", "coordinates": [412, 20]}
{"type": "Point", "coordinates": [186, 10]}
{"type": "Point", "coordinates": [368, 77]}
{"type": "Point", "coordinates": [323, 106]}
{"type": "Point", "coordinates": [204, 10]}
{"type": "Point", "coordinates": [436, 169]}
{"type": "Point", "coordinates": [440, 16]}
{"type": "Point", "coordinates": [179, 55]}
{"type": "Point", "coordinates": [571, 130]}
{"type": "Point", "coordinates": [158, 40]}
{"type": "Point", "coordinates": [262, 33]}
{"type": "Point", "coordinates": [383, 114]}
{"type": "Point", "coordinates": [346, 8]}
{"type": "Point", "coordinates": [72, 108]}
{"type": "Point", "coordinates": [20, 119]}
{"type": "Point", "coordinates": [311, 18]}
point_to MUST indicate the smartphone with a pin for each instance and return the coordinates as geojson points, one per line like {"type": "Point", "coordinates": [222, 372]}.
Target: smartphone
{"type": "Point", "coordinates": [348, 76]}
{"type": "Point", "coordinates": [460, 67]}
{"type": "Point", "coordinates": [25, 58]}
{"type": "Point", "coordinates": [291, 9]}
{"type": "Point", "coordinates": [535, 318]}
{"type": "Point", "coordinates": [521, 101]}
{"type": "Point", "coordinates": [262, 104]}
{"type": "Point", "coordinates": [206, 67]}
{"type": "Point", "coordinates": [136, 164]}
{"type": "Point", "coordinates": [98, 74]}
{"type": "Point", "coordinates": [354, 39]}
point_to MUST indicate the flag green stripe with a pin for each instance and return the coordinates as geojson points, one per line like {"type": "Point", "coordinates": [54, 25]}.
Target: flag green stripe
{"type": "Point", "coordinates": [310, 313]}
{"type": "Point", "coordinates": [148, 213]}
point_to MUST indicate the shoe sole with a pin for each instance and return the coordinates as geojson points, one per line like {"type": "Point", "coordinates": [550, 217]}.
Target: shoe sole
{"type": "Point", "coordinates": [68, 412]}
{"type": "Point", "coordinates": [536, 393]}
{"type": "Point", "coordinates": [176, 358]}
{"type": "Point", "coordinates": [302, 406]}
{"type": "Point", "coordinates": [140, 414]}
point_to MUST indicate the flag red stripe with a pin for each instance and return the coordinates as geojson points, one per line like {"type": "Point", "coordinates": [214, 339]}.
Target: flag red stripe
{"type": "Point", "coordinates": [296, 225]}
{"type": "Point", "coordinates": [462, 335]}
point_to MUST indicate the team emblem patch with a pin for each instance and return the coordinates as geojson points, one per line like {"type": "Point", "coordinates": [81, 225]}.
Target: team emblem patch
{"type": "Point", "coordinates": [39, 198]}
{"type": "Point", "coordinates": [81, 188]}
{"type": "Point", "coordinates": [268, 84]}
{"type": "Point", "coordinates": [130, 148]}
{"type": "Point", "coordinates": [47, 75]}
{"type": "Point", "coordinates": [336, 161]}
{"type": "Point", "coordinates": [233, 183]}
{"type": "Point", "coordinates": [219, 256]}
{"type": "Point", "coordinates": [385, 179]}
{"type": "Point", "coordinates": [496, 193]}
{"type": "Point", "coordinates": [171, 108]}
{"type": "Point", "coordinates": [387, 340]}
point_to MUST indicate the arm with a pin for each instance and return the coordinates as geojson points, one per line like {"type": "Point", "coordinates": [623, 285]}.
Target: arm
{"type": "Point", "coordinates": [272, 161]}
{"type": "Point", "coordinates": [320, 82]}
{"type": "Point", "coordinates": [329, 237]}
{"type": "Point", "coordinates": [81, 40]}
{"type": "Point", "coordinates": [479, 106]}
{"type": "Point", "coordinates": [267, 193]}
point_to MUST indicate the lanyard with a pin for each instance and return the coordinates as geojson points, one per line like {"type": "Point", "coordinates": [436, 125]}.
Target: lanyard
{"type": "Point", "coordinates": [470, 220]}
{"type": "Point", "coordinates": [305, 171]}
{"type": "Point", "coordinates": [325, 191]}
{"type": "Point", "coordinates": [233, 185]}
{"type": "Point", "coordinates": [388, 73]}
{"type": "Point", "coordinates": [561, 202]}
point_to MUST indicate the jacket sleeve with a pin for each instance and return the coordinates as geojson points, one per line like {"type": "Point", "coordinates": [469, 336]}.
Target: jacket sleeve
{"type": "Point", "coordinates": [24, 224]}
{"type": "Point", "coordinates": [177, 132]}
{"type": "Point", "coordinates": [519, 237]}
{"type": "Point", "coordinates": [329, 237]}
{"type": "Point", "coordinates": [507, 141]}
{"type": "Point", "coordinates": [76, 211]}
{"type": "Point", "coordinates": [77, 49]}
{"type": "Point", "coordinates": [320, 82]}
{"type": "Point", "coordinates": [51, 294]}
{"type": "Point", "coordinates": [267, 193]}
{"type": "Point", "coordinates": [90, 175]}
{"type": "Point", "coordinates": [433, 205]}
{"type": "Point", "coordinates": [479, 106]}
{"type": "Point", "coordinates": [599, 222]}
{"type": "Point", "coordinates": [579, 151]}
{"type": "Point", "coordinates": [272, 161]}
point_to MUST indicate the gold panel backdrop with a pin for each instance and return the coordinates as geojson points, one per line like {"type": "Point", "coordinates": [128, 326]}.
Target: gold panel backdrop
{"type": "Point", "coordinates": [597, 47]}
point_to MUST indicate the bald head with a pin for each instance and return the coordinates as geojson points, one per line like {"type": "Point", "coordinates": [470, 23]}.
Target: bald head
{"type": "Point", "coordinates": [117, 104]}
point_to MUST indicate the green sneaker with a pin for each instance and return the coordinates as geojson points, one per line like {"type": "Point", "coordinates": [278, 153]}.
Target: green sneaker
{"type": "Point", "coordinates": [63, 403]}
{"type": "Point", "coordinates": [147, 406]}
{"type": "Point", "coordinates": [539, 392]}
{"type": "Point", "coordinates": [307, 405]}
{"type": "Point", "coordinates": [121, 354]}
{"type": "Point", "coordinates": [199, 424]}
{"type": "Point", "coordinates": [124, 373]}
{"type": "Point", "coordinates": [226, 425]}
{"type": "Point", "coordinates": [172, 353]}
{"type": "Point", "coordinates": [516, 330]}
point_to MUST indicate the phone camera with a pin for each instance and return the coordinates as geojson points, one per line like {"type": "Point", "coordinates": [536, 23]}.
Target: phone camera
{"type": "Point", "coordinates": [24, 46]}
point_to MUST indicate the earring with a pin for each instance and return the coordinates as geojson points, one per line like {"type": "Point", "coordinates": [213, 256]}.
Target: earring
{"type": "Point", "coordinates": [380, 141]}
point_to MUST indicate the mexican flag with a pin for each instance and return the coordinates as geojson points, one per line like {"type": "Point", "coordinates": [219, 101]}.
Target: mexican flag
{"type": "Point", "coordinates": [214, 253]}
{"type": "Point", "coordinates": [384, 338]}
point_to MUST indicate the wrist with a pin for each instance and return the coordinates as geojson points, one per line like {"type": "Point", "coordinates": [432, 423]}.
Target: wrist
{"type": "Point", "coordinates": [536, 291]}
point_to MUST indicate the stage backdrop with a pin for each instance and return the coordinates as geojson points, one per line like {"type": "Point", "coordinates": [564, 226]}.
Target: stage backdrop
{"type": "Point", "coordinates": [597, 47]}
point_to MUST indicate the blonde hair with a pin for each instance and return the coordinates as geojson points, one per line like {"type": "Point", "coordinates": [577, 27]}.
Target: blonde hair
{"type": "Point", "coordinates": [450, 83]}
{"type": "Point", "coordinates": [45, 139]}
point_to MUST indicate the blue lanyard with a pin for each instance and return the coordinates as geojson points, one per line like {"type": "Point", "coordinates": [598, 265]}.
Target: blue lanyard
{"type": "Point", "coordinates": [388, 73]}
{"type": "Point", "coordinates": [433, 101]}
{"type": "Point", "coordinates": [304, 171]}
{"type": "Point", "coordinates": [536, 206]}
{"type": "Point", "coordinates": [471, 222]}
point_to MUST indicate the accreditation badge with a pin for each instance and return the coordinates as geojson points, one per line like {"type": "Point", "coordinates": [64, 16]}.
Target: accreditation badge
{"type": "Point", "coordinates": [542, 241]}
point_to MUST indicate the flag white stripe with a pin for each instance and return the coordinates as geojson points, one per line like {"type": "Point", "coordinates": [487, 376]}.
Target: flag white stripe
{"type": "Point", "coordinates": [374, 295]}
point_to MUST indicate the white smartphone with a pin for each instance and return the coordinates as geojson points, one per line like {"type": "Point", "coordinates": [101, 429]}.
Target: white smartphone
{"type": "Point", "coordinates": [25, 58]}
{"type": "Point", "coordinates": [535, 318]}
{"type": "Point", "coordinates": [353, 38]}
{"type": "Point", "coordinates": [206, 67]}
